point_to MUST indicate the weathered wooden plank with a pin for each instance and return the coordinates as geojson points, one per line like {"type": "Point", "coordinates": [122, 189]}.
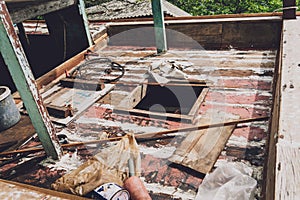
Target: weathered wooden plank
{"type": "Point", "coordinates": [12, 190]}
{"type": "Point", "coordinates": [269, 189]}
{"type": "Point", "coordinates": [82, 84]}
{"type": "Point", "coordinates": [200, 149]}
{"type": "Point", "coordinates": [19, 12]}
{"type": "Point", "coordinates": [287, 173]}
{"type": "Point", "coordinates": [145, 113]}
{"type": "Point", "coordinates": [131, 100]}
{"type": "Point", "coordinates": [15, 58]}
{"type": "Point", "coordinates": [78, 99]}
{"type": "Point", "coordinates": [287, 154]}
{"type": "Point", "coordinates": [194, 111]}
{"type": "Point", "coordinates": [60, 111]}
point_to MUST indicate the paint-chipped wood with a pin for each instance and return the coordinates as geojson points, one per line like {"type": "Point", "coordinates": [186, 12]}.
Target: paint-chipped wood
{"type": "Point", "coordinates": [78, 99]}
{"type": "Point", "coordinates": [131, 100]}
{"type": "Point", "coordinates": [82, 84]}
{"type": "Point", "coordinates": [194, 111]}
{"type": "Point", "coordinates": [287, 153]}
{"type": "Point", "coordinates": [13, 190]}
{"type": "Point", "coordinates": [287, 171]}
{"type": "Point", "coordinates": [145, 113]}
{"type": "Point", "coordinates": [15, 58]}
{"type": "Point", "coordinates": [201, 149]}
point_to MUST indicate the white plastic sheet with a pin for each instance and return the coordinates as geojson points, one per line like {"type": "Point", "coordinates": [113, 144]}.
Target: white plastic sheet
{"type": "Point", "coordinates": [230, 181]}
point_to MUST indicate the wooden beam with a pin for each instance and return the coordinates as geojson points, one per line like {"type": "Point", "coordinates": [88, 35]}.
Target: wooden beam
{"type": "Point", "coordinates": [201, 148]}
{"type": "Point", "coordinates": [159, 26]}
{"type": "Point", "coordinates": [20, 11]}
{"type": "Point", "coordinates": [82, 84]}
{"type": "Point", "coordinates": [33, 192]}
{"type": "Point", "coordinates": [145, 113]}
{"type": "Point", "coordinates": [142, 136]}
{"type": "Point", "coordinates": [194, 111]}
{"type": "Point", "coordinates": [18, 66]}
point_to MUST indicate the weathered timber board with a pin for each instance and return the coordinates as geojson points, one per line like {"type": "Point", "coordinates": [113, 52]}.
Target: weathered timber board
{"type": "Point", "coordinates": [79, 99]}
{"type": "Point", "coordinates": [287, 184]}
{"type": "Point", "coordinates": [14, 190]}
{"type": "Point", "coordinates": [200, 149]}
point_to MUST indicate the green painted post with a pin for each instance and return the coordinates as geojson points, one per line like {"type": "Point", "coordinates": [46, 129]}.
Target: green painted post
{"type": "Point", "coordinates": [159, 26]}
{"type": "Point", "coordinates": [18, 66]}
{"type": "Point", "coordinates": [85, 21]}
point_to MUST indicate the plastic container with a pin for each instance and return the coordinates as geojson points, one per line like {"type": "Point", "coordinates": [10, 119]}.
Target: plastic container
{"type": "Point", "coordinates": [9, 113]}
{"type": "Point", "coordinates": [111, 191]}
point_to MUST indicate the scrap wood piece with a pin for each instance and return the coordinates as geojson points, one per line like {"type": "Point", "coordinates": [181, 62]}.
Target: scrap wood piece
{"type": "Point", "coordinates": [79, 99]}
{"type": "Point", "coordinates": [200, 149]}
{"type": "Point", "coordinates": [11, 190]}
{"type": "Point", "coordinates": [60, 111]}
{"type": "Point", "coordinates": [200, 127]}
{"type": "Point", "coordinates": [145, 113]}
{"type": "Point", "coordinates": [82, 84]}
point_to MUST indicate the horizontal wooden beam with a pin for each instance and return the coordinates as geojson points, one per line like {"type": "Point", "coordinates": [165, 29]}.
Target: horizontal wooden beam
{"type": "Point", "coordinates": [22, 11]}
{"type": "Point", "coordinates": [82, 84]}
{"type": "Point", "coordinates": [145, 113]}
{"type": "Point", "coordinates": [143, 136]}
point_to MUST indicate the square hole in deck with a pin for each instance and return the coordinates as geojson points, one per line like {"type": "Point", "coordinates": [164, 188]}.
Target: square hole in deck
{"type": "Point", "coordinates": [174, 98]}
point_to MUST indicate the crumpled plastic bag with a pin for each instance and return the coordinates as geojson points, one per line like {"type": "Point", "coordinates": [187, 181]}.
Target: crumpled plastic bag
{"type": "Point", "coordinates": [108, 166]}
{"type": "Point", "coordinates": [230, 181]}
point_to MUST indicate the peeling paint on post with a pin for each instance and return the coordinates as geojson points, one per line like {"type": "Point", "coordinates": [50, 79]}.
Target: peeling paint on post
{"type": "Point", "coordinates": [159, 26]}
{"type": "Point", "coordinates": [14, 57]}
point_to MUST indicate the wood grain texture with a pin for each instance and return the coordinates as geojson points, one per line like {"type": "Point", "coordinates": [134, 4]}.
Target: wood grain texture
{"type": "Point", "coordinates": [288, 173]}
{"type": "Point", "coordinates": [79, 99]}
{"type": "Point", "coordinates": [200, 149]}
{"type": "Point", "coordinates": [287, 184]}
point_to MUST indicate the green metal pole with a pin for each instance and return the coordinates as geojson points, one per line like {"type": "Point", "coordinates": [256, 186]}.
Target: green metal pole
{"type": "Point", "coordinates": [18, 66]}
{"type": "Point", "coordinates": [159, 26]}
{"type": "Point", "coordinates": [85, 21]}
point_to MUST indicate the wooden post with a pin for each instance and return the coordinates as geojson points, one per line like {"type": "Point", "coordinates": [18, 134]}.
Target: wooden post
{"type": "Point", "coordinates": [159, 26]}
{"type": "Point", "coordinates": [289, 9]}
{"type": "Point", "coordinates": [18, 66]}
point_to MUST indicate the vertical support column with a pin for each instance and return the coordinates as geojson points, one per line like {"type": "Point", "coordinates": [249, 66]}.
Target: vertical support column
{"type": "Point", "coordinates": [18, 66]}
{"type": "Point", "coordinates": [289, 9]}
{"type": "Point", "coordinates": [159, 26]}
{"type": "Point", "coordinates": [85, 21]}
